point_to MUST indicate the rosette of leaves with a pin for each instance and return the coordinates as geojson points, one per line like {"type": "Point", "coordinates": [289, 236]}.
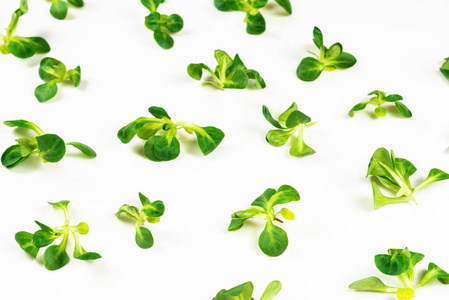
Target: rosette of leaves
{"type": "Point", "coordinates": [379, 99]}
{"type": "Point", "coordinates": [21, 47]}
{"type": "Point", "coordinates": [445, 68]}
{"type": "Point", "coordinates": [50, 147]}
{"type": "Point", "coordinates": [400, 263]}
{"type": "Point", "coordinates": [151, 212]}
{"type": "Point", "coordinates": [244, 291]}
{"type": "Point", "coordinates": [165, 146]}
{"type": "Point", "coordinates": [394, 174]}
{"type": "Point", "coordinates": [255, 22]}
{"type": "Point", "coordinates": [53, 71]}
{"type": "Point", "coordinates": [289, 122]}
{"type": "Point", "coordinates": [59, 8]}
{"type": "Point", "coordinates": [162, 24]}
{"type": "Point", "coordinates": [55, 256]}
{"type": "Point", "coordinates": [229, 73]}
{"type": "Point", "coordinates": [273, 240]}
{"type": "Point", "coordinates": [329, 59]}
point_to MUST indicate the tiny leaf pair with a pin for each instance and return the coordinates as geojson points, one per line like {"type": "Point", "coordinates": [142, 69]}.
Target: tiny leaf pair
{"type": "Point", "coordinates": [393, 173]}
{"type": "Point", "coordinates": [445, 68]}
{"type": "Point", "coordinates": [59, 8]}
{"type": "Point", "coordinates": [53, 71]}
{"type": "Point", "coordinates": [380, 99]}
{"type": "Point", "coordinates": [289, 122]}
{"type": "Point", "coordinates": [166, 146]}
{"type": "Point", "coordinates": [400, 263]}
{"type": "Point", "coordinates": [55, 257]}
{"type": "Point", "coordinates": [273, 240]}
{"type": "Point", "coordinates": [330, 59]}
{"type": "Point", "coordinates": [151, 212]}
{"type": "Point", "coordinates": [50, 147]}
{"type": "Point", "coordinates": [229, 74]}
{"type": "Point", "coordinates": [21, 47]}
{"type": "Point", "coordinates": [244, 291]}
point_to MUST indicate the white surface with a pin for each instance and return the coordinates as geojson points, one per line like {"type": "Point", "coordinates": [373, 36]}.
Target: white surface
{"type": "Point", "coordinates": [399, 45]}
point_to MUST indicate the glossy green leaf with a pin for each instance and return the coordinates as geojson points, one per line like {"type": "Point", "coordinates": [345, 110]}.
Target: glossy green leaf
{"type": "Point", "coordinates": [344, 61]}
{"type": "Point", "coordinates": [44, 227]}
{"type": "Point", "coordinates": [61, 204]}
{"type": "Point", "coordinates": [403, 110]}
{"type": "Point", "coordinates": [259, 3]}
{"type": "Point", "coordinates": [144, 238]}
{"type": "Point", "coordinates": [273, 240]}
{"type": "Point", "coordinates": [158, 112]}
{"type": "Point", "coordinates": [55, 257]}
{"type": "Point", "coordinates": [221, 5]}
{"type": "Point", "coordinates": [377, 93]}
{"type": "Point", "coordinates": [239, 217]}
{"type": "Point", "coordinates": [154, 209]}
{"type": "Point", "coordinates": [163, 39]}
{"type": "Point", "coordinates": [296, 118]}
{"type": "Point", "coordinates": [224, 63]}
{"type": "Point", "coordinates": [86, 150]}
{"type": "Point", "coordinates": [269, 117]}
{"type": "Point", "coordinates": [277, 137]}
{"type": "Point", "coordinates": [40, 44]}
{"type": "Point", "coordinates": [81, 254]}
{"type": "Point", "coordinates": [76, 3]}
{"type": "Point", "coordinates": [127, 133]}
{"type": "Point", "coordinates": [357, 107]}
{"type": "Point", "coordinates": [404, 167]}
{"type": "Point", "coordinates": [25, 241]}
{"type": "Point", "coordinates": [46, 91]}
{"type": "Point", "coordinates": [152, 5]}
{"type": "Point", "coordinates": [51, 147]}
{"type": "Point", "coordinates": [285, 4]}
{"type": "Point", "coordinates": [174, 23]}
{"type": "Point", "coordinates": [21, 47]}
{"type": "Point", "coordinates": [318, 38]}
{"type": "Point", "coordinates": [59, 9]}
{"type": "Point", "coordinates": [236, 5]}
{"type": "Point", "coordinates": [414, 256]}
{"type": "Point", "coordinates": [240, 292]}
{"type": "Point", "coordinates": [284, 194]}
{"type": "Point", "coordinates": [392, 98]}
{"type": "Point", "coordinates": [309, 69]}
{"type": "Point", "coordinates": [24, 124]}
{"type": "Point", "coordinates": [284, 116]}
{"type": "Point", "coordinates": [239, 80]}
{"type": "Point", "coordinates": [12, 157]}
{"type": "Point", "coordinates": [271, 290]}
{"type": "Point", "coordinates": [27, 145]}
{"type": "Point", "coordinates": [372, 284]}
{"type": "Point", "coordinates": [236, 223]}
{"type": "Point", "coordinates": [152, 21]}
{"type": "Point", "coordinates": [162, 148]}
{"type": "Point", "coordinates": [196, 70]}
{"type": "Point", "coordinates": [148, 130]}
{"type": "Point", "coordinates": [42, 238]}
{"type": "Point", "coordinates": [46, 68]}
{"type": "Point", "coordinates": [392, 264]}
{"type": "Point", "coordinates": [255, 24]}
{"type": "Point", "coordinates": [209, 138]}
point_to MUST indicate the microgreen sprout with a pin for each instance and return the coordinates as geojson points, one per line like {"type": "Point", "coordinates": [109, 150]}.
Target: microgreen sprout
{"type": "Point", "coordinates": [55, 257]}
{"type": "Point", "coordinates": [244, 291]}
{"type": "Point", "coordinates": [273, 240]}
{"type": "Point", "coordinates": [151, 212]}
{"type": "Point", "coordinates": [330, 59]}
{"type": "Point", "coordinates": [229, 74]}
{"type": "Point", "coordinates": [53, 71]}
{"type": "Point", "coordinates": [400, 263]}
{"type": "Point", "coordinates": [21, 47]}
{"type": "Point", "coordinates": [59, 8]}
{"type": "Point", "coordinates": [393, 173]}
{"type": "Point", "coordinates": [445, 68]}
{"type": "Point", "coordinates": [166, 146]}
{"type": "Point", "coordinates": [290, 122]}
{"type": "Point", "coordinates": [50, 147]}
{"type": "Point", "coordinates": [379, 99]}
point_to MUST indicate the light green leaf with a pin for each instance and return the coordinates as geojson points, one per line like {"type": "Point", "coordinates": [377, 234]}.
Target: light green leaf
{"type": "Point", "coordinates": [434, 176]}
{"type": "Point", "coordinates": [372, 284]}
{"type": "Point", "coordinates": [209, 138]}
{"type": "Point", "coordinates": [272, 290]}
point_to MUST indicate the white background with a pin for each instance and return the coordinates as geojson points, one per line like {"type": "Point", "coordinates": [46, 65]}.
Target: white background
{"type": "Point", "coordinates": [399, 45]}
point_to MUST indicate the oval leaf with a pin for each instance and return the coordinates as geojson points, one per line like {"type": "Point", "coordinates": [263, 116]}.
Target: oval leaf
{"type": "Point", "coordinates": [309, 69]}
{"type": "Point", "coordinates": [51, 147]}
{"type": "Point", "coordinates": [144, 238]}
{"type": "Point", "coordinates": [273, 240]}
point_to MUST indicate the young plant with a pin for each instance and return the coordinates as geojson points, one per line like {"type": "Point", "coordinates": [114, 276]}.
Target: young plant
{"type": "Point", "coordinates": [52, 71]}
{"type": "Point", "coordinates": [151, 212]}
{"type": "Point", "coordinates": [330, 59]}
{"type": "Point", "coordinates": [255, 22]}
{"type": "Point", "coordinates": [162, 24]}
{"type": "Point", "coordinates": [165, 147]}
{"type": "Point", "coordinates": [55, 257]}
{"type": "Point", "coordinates": [59, 8]}
{"type": "Point", "coordinates": [229, 74]}
{"type": "Point", "coordinates": [50, 147]}
{"type": "Point", "coordinates": [445, 68]}
{"type": "Point", "coordinates": [380, 99]}
{"type": "Point", "coordinates": [290, 122]}
{"type": "Point", "coordinates": [393, 173]}
{"type": "Point", "coordinates": [273, 240]}
{"type": "Point", "coordinates": [245, 291]}
{"type": "Point", "coordinates": [400, 263]}
{"type": "Point", "coordinates": [21, 47]}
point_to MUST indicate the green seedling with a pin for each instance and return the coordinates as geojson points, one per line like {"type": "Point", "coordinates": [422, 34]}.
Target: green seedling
{"type": "Point", "coordinates": [379, 99]}
{"type": "Point", "coordinates": [162, 24]}
{"type": "Point", "coordinates": [273, 240]}
{"type": "Point", "coordinates": [400, 263]}
{"type": "Point", "coordinates": [59, 8]}
{"type": "Point", "coordinates": [229, 74]}
{"type": "Point", "coordinates": [290, 122]}
{"type": "Point", "coordinates": [50, 147]}
{"type": "Point", "coordinates": [165, 146]}
{"type": "Point", "coordinates": [255, 22]}
{"type": "Point", "coordinates": [245, 291]}
{"type": "Point", "coordinates": [151, 212]}
{"type": "Point", "coordinates": [445, 68]}
{"type": "Point", "coordinates": [330, 59]}
{"type": "Point", "coordinates": [393, 173]}
{"type": "Point", "coordinates": [55, 257]}
{"type": "Point", "coordinates": [53, 71]}
{"type": "Point", "coordinates": [21, 47]}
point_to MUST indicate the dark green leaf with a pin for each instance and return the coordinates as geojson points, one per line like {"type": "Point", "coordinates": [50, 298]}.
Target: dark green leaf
{"type": "Point", "coordinates": [174, 23]}
{"type": "Point", "coordinates": [357, 107]}
{"type": "Point", "coordinates": [154, 209]}
{"type": "Point", "coordinates": [262, 200]}
{"type": "Point", "coordinates": [259, 3]}
{"type": "Point", "coordinates": [392, 98]}
{"type": "Point", "coordinates": [285, 5]}
{"type": "Point", "coordinates": [269, 117]}
{"type": "Point", "coordinates": [46, 68]}
{"type": "Point", "coordinates": [344, 61]}
{"type": "Point", "coordinates": [284, 116]}
{"type": "Point", "coordinates": [379, 160]}
{"type": "Point", "coordinates": [86, 150]}
{"type": "Point", "coordinates": [239, 217]}
{"type": "Point", "coordinates": [59, 9]}
{"type": "Point", "coordinates": [235, 5]}
{"type": "Point", "coordinates": [12, 157]}
{"type": "Point", "coordinates": [273, 240]}
{"type": "Point", "coordinates": [75, 76]}
{"type": "Point", "coordinates": [127, 133]}
{"type": "Point", "coordinates": [209, 138]}
{"type": "Point", "coordinates": [163, 39]}
{"type": "Point", "coordinates": [152, 21]}
{"type": "Point", "coordinates": [253, 74]}
{"type": "Point", "coordinates": [40, 44]}
{"type": "Point", "coordinates": [144, 238]}
{"type": "Point", "coordinates": [196, 70]}
{"type": "Point", "coordinates": [284, 194]}
{"type": "Point", "coordinates": [42, 238]}
{"type": "Point", "coordinates": [224, 63]}
{"type": "Point", "coordinates": [240, 292]}
{"type": "Point", "coordinates": [239, 80]}
{"type": "Point", "coordinates": [445, 68]}
{"type": "Point", "coordinates": [158, 112]}
{"type": "Point", "coordinates": [318, 38]}
{"type": "Point", "coordinates": [296, 118]}
{"type": "Point", "coordinates": [88, 256]}
{"type": "Point", "coordinates": [46, 91]}
{"type": "Point", "coordinates": [236, 223]}
{"type": "Point", "coordinates": [309, 69]}
{"type": "Point", "coordinates": [392, 264]}
{"type": "Point", "coordinates": [76, 3]}
{"type": "Point", "coordinates": [221, 5]}
{"type": "Point", "coordinates": [55, 257]}
{"type": "Point", "coordinates": [162, 148]}
{"type": "Point", "coordinates": [414, 256]}
{"type": "Point", "coordinates": [377, 93]}
{"type": "Point", "coordinates": [25, 241]}
{"type": "Point", "coordinates": [44, 227]}
{"type": "Point", "coordinates": [404, 167]}
{"type": "Point", "coordinates": [403, 110]}
{"type": "Point", "coordinates": [21, 47]}
{"type": "Point", "coordinates": [23, 124]}
{"type": "Point", "coordinates": [152, 5]}
{"type": "Point", "coordinates": [255, 24]}
{"type": "Point", "coordinates": [51, 147]}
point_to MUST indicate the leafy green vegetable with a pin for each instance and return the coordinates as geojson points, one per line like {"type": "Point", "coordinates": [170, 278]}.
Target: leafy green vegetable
{"type": "Point", "coordinates": [55, 257]}
{"type": "Point", "coordinates": [400, 263]}
{"type": "Point", "coordinates": [151, 212]}
{"type": "Point", "coordinates": [244, 291]}
{"type": "Point", "coordinates": [166, 146]}
{"type": "Point", "coordinates": [330, 59]}
{"type": "Point", "coordinates": [50, 147]}
{"type": "Point", "coordinates": [445, 68]}
{"type": "Point", "coordinates": [21, 47]}
{"type": "Point", "coordinates": [273, 240]}
{"type": "Point", "coordinates": [229, 74]}
{"type": "Point", "coordinates": [380, 99]}
{"type": "Point", "coordinates": [393, 173]}
{"type": "Point", "coordinates": [59, 8]}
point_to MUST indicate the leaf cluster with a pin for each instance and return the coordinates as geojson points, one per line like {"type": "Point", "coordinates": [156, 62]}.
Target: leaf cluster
{"type": "Point", "coordinates": [445, 68]}
{"type": "Point", "coordinates": [273, 240]}
{"type": "Point", "coordinates": [400, 263]}
{"type": "Point", "coordinates": [59, 8]}
{"type": "Point", "coordinates": [50, 147]}
{"type": "Point", "coordinates": [244, 291]}
{"type": "Point", "coordinates": [229, 73]}
{"type": "Point", "coordinates": [151, 212]}
{"type": "Point", "coordinates": [289, 122]}
{"type": "Point", "coordinates": [55, 256]}
{"type": "Point", "coordinates": [379, 99]}
{"type": "Point", "coordinates": [255, 22]}
{"type": "Point", "coordinates": [394, 174]}
{"type": "Point", "coordinates": [165, 146]}
{"type": "Point", "coordinates": [162, 24]}
{"type": "Point", "coordinates": [330, 59]}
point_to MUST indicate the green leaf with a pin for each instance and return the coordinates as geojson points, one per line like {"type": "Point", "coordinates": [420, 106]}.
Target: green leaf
{"type": "Point", "coordinates": [76, 3]}
{"type": "Point", "coordinates": [24, 124]}
{"type": "Point", "coordinates": [239, 217]}
{"type": "Point", "coordinates": [12, 157]}
{"type": "Point", "coordinates": [75, 75]}
{"type": "Point", "coordinates": [27, 145]}
{"type": "Point", "coordinates": [43, 226]}
{"type": "Point", "coordinates": [357, 107]}
{"type": "Point", "coordinates": [162, 148]}
{"type": "Point", "coordinates": [82, 254]}
{"type": "Point", "coordinates": [196, 70]}
{"type": "Point", "coordinates": [174, 23]}
{"type": "Point", "coordinates": [25, 241]}
{"type": "Point", "coordinates": [21, 47]}
{"type": "Point", "coordinates": [392, 98]}
{"type": "Point", "coordinates": [414, 256]}
{"type": "Point", "coordinates": [42, 238]}
{"type": "Point", "coordinates": [273, 240]}
{"type": "Point", "coordinates": [333, 52]}
{"type": "Point", "coordinates": [144, 238]}
{"type": "Point", "coordinates": [221, 5]}
{"type": "Point", "coordinates": [158, 112]}
{"type": "Point", "coordinates": [434, 272]}
{"type": "Point", "coordinates": [262, 200]}
{"type": "Point", "coordinates": [163, 39]}
{"type": "Point", "coordinates": [380, 163]}
{"type": "Point", "coordinates": [255, 24]}
{"type": "Point", "coordinates": [86, 150]}
{"type": "Point", "coordinates": [380, 200]}
{"type": "Point", "coordinates": [296, 118]}
{"type": "Point", "coordinates": [287, 214]}
{"type": "Point", "coordinates": [61, 204]}
{"type": "Point", "coordinates": [284, 194]}
{"type": "Point", "coordinates": [224, 63]}
{"type": "Point", "coordinates": [393, 265]}
{"type": "Point", "coordinates": [235, 5]}
{"type": "Point", "coordinates": [344, 61]}
{"type": "Point", "coordinates": [240, 292]}
{"type": "Point", "coordinates": [285, 5]}
{"type": "Point", "coordinates": [269, 117]}
{"type": "Point", "coordinates": [152, 21]}
{"type": "Point", "coordinates": [59, 9]}
{"type": "Point", "coordinates": [148, 130]}
{"type": "Point", "coordinates": [309, 69]}
{"type": "Point", "coordinates": [55, 257]}
{"type": "Point", "coordinates": [253, 74]}
{"type": "Point", "coordinates": [51, 147]}
{"type": "Point", "coordinates": [152, 5]}
{"type": "Point", "coordinates": [403, 110]}
{"type": "Point", "coordinates": [47, 68]}
{"type": "Point", "coordinates": [377, 93]}
{"type": "Point", "coordinates": [445, 68]}
{"type": "Point", "coordinates": [154, 210]}
{"type": "Point", "coordinates": [259, 3]}
{"type": "Point", "coordinates": [46, 91]}
{"type": "Point", "coordinates": [209, 138]}
{"type": "Point", "coordinates": [318, 38]}
{"type": "Point", "coordinates": [299, 147]}
{"type": "Point", "coordinates": [372, 284]}
{"type": "Point", "coordinates": [284, 116]}
{"type": "Point", "coordinates": [130, 211]}
{"type": "Point", "coordinates": [127, 133]}
{"type": "Point", "coordinates": [277, 137]}
{"type": "Point", "coordinates": [272, 290]}
{"type": "Point", "coordinates": [40, 44]}
{"type": "Point", "coordinates": [434, 176]}
{"type": "Point", "coordinates": [239, 80]}
{"type": "Point", "coordinates": [404, 167]}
